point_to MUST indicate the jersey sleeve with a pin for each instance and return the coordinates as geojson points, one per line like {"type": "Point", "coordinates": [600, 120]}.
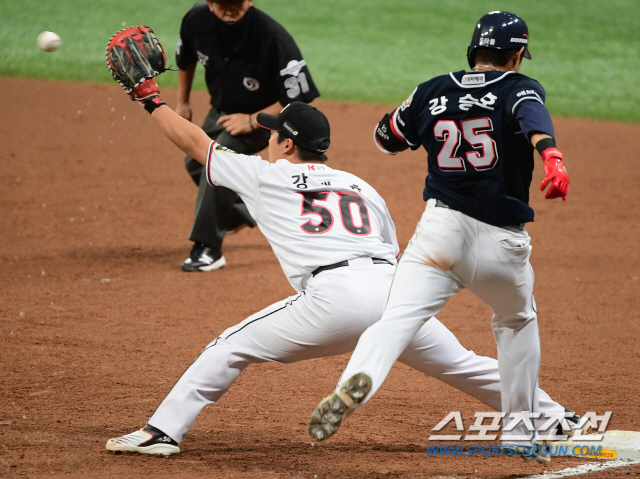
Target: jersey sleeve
{"type": "Point", "coordinates": [185, 52]}
{"type": "Point", "coordinates": [525, 102]}
{"type": "Point", "coordinates": [534, 117]}
{"type": "Point", "coordinates": [523, 90]}
{"type": "Point", "coordinates": [240, 173]}
{"type": "Point", "coordinates": [403, 121]}
{"type": "Point", "coordinates": [291, 71]}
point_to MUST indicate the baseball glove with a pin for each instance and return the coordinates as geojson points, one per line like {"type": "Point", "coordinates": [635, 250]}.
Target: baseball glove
{"type": "Point", "coordinates": [135, 57]}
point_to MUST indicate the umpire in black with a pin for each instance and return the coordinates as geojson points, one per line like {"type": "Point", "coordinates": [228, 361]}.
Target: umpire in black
{"type": "Point", "coordinates": [251, 65]}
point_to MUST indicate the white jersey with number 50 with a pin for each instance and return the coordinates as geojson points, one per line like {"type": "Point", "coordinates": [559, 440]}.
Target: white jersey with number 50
{"type": "Point", "coordinates": [312, 215]}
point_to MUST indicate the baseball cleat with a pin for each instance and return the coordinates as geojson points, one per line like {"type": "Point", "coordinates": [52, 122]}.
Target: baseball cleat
{"type": "Point", "coordinates": [203, 258]}
{"type": "Point", "coordinates": [543, 457]}
{"type": "Point", "coordinates": [148, 440]}
{"type": "Point", "coordinates": [332, 410]}
{"type": "Point", "coordinates": [577, 425]}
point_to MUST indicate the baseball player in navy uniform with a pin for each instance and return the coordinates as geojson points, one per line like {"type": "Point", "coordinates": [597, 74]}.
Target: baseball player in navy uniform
{"type": "Point", "coordinates": [251, 64]}
{"type": "Point", "coordinates": [479, 128]}
{"type": "Point", "coordinates": [336, 243]}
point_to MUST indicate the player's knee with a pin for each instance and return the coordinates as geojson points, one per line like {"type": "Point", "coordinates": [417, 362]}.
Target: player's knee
{"type": "Point", "coordinates": [515, 320]}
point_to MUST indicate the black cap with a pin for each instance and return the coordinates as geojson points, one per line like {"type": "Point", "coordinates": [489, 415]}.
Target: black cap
{"type": "Point", "coordinates": [304, 124]}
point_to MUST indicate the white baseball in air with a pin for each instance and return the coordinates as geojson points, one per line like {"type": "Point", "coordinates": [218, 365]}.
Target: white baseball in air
{"type": "Point", "coordinates": [49, 41]}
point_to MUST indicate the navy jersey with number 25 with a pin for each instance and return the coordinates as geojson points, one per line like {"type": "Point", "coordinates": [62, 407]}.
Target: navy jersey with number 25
{"type": "Point", "coordinates": [475, 129]}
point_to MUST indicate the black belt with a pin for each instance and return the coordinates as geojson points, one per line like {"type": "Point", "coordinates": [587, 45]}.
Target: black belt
{"type": "Point", "coordinates": [517, 227]}
{"type": "Point", "coordinates": [346, 263]}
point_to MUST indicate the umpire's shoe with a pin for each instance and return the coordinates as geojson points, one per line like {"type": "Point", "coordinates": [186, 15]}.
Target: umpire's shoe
{"type": "Point", "coordinates": [334, 409]}
{"type": "Point", "coordinates": [203, 258]}
{"type": "Point", "coordinates": [148, 440]}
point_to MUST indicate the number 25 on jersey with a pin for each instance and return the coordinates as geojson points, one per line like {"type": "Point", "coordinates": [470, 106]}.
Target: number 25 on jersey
{"type": "Point", "coordinates": [473, 135]}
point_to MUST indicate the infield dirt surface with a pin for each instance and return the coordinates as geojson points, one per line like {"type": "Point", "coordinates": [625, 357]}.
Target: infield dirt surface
{"type": "Point", "coordinates": [98, 321]}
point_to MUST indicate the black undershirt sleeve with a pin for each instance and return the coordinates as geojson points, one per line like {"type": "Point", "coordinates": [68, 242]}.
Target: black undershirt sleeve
{"type": "Point", "coordinates": [532, 116]}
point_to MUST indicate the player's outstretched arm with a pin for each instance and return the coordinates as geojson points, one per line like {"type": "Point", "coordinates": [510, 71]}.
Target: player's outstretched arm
{"type": "Point", "coordinates": [135, 57]}
{"type": "Point", "coordinates": [184, 134]}
{"type": "Point", "coordinates": [554, 170]}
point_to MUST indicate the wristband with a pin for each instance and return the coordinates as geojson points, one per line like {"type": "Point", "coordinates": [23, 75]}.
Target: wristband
{"type": "Point", "coordinates": [250, 122]}
{"type": "Point", "coordinates": [544, 144]}
{"type": "Point", "coordinates": [151, 103]}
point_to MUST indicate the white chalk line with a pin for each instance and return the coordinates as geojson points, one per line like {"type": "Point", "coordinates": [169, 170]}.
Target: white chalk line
{"type": "Point", "coordinates": [584, 469]}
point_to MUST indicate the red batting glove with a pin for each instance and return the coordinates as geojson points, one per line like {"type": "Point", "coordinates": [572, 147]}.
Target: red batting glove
{"type": "Point", "coordinates": [555, 174]}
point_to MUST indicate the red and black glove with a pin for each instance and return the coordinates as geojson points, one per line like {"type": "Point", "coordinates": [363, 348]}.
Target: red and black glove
{"type": "Point", "coordinates": [135, 57]}
{"type": "Point", "coordinates": [555, 174]}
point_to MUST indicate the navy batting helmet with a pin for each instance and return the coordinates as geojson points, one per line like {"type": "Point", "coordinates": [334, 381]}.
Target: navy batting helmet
{"type": "Point", "coordinates": [499, 30]}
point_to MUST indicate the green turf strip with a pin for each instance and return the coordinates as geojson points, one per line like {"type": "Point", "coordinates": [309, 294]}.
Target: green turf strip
{"type": "Point", "coordinates": [373, 51]}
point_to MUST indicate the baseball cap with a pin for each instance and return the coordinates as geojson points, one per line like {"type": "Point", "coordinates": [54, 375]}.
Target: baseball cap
{"type": "Point", "coordinates": [304, 124]}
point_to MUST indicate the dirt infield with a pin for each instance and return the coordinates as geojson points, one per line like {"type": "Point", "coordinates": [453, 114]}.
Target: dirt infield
{"type": "Point", "coordinates": [97, 321]}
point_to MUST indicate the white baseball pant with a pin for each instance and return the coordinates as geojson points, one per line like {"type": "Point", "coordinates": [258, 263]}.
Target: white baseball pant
{"type": "Point", "coordinates": [448, 252]}
{"type": "Point", "coordinates": [325, 319]}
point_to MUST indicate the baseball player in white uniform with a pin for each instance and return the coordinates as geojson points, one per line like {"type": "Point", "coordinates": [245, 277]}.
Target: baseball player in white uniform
{"type": "Point", "coordinates": [336, 242]}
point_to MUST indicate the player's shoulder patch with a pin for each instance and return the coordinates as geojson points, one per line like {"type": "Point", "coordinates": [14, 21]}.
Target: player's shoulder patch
{"type": "Point", "coordinates": [407, 102]}
{"type": "Point", "coordinates": [219, 147]}
{"type": "Point", "coordinates": [526, 92]}
{"type": "Point", "coordinates": [525, 87]}
{"type": "Point", "coordinates": [424, 91]}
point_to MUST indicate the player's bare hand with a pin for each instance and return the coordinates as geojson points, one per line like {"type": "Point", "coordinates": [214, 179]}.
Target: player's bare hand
{"type": "Point", "coordinates": [555, 174]}
{"type": "Point", "coordinates": [236, 123]}
{"type": "Point", "coordinates": [184, 110]}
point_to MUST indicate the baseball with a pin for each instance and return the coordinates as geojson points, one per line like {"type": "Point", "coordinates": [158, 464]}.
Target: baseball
{"type": "Point", "coordinates": [49, 41]}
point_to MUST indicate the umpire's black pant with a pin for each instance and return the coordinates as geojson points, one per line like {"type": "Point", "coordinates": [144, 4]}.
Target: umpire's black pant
{"type": "Point", "coordinates": [218, 209]}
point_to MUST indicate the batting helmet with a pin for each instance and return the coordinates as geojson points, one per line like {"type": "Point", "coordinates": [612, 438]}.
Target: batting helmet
{"type": "Point", "coordinates": [499, 30]}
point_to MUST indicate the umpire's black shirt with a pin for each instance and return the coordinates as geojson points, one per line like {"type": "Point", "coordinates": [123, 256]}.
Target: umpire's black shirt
{"type": "Point", "coordinates": [249, 65]}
